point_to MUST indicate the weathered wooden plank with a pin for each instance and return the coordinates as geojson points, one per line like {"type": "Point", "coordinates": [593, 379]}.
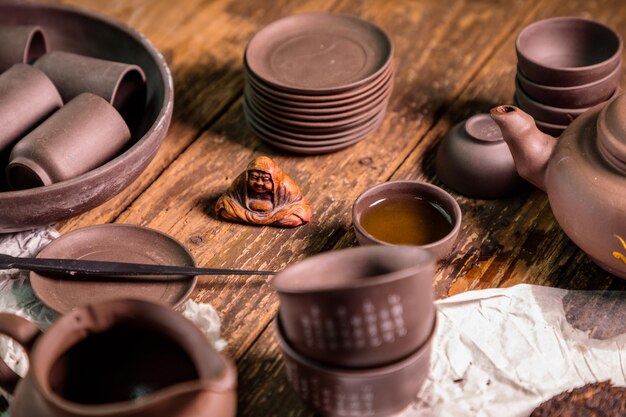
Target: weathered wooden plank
{"type": "Point", "coordinates": [434, 42]}
{"type": "Point", "coordinates": [502, 243]}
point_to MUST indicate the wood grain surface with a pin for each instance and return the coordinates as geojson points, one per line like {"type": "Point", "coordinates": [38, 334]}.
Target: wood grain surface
{"type": "Point", "coordinates": [453, 59]}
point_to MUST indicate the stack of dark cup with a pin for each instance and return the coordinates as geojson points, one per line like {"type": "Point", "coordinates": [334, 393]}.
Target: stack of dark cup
{"type": "Point", "coordinates": [356, 328]}
{"type": "Point", "coordinates": [566, 65]}
{"type": "Point", "coordinates": [62, 114]}
{"type": "Point", "coordinates": [317, 82]}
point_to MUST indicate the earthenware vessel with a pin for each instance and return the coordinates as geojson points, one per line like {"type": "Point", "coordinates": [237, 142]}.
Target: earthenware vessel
{"type": "Point", "coordinates": [82, 135]}
{"type": "Point", "coordinates": [20, 44]}
{"type": "Point", "coordinates": [375, 391]}
{"type": "Point", "coordinates": [27, 97]}
{"type": "Point", "coordinates": [584, 95]}
{"type": "Point", "coordinates": [402, 189]}
{"type": "Point", "coordinates": [358, 307]}
{"type": "Point", "coordinates": [474, 160]}
{"type": "Point", "coordinates": [72, 364]}
{"type": "Point", "coordinates": [567, 51]}
{"type": "Point", "coordinates": [66, 27]}
{"type": "Point", "coordinates": [123, 85]}
{"type": "Point", "coordinates": [583, 172]}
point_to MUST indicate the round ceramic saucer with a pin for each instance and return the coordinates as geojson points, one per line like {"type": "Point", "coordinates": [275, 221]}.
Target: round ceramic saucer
{"type": "Point", "coordinates": [318, 53]}
{"type": "Point", "coordinates": [305, 136]}
{"type": "Point", "coordinates": [321, 100]}
{"type": "Point", "coordinates": [351, 135]}
{"type": "Point", "coordinates": [113, 242]}
{"type": "Point", "coordinates": [337, 114]}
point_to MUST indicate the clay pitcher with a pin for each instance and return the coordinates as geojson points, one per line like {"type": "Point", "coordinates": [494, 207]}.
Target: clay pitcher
{"type": "Point", "coordinates": [124, 358]}
{"type": "Point", "coordinates": [583, 173]}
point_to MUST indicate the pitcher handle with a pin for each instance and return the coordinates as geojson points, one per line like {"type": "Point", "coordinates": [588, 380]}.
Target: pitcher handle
{"type": "Point", "coordinates": [24, 332]}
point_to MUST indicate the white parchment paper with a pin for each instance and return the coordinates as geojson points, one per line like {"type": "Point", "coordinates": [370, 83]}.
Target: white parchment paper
{"type": "Point", "coordinates": [502, 352]}
{"type": "Point", "coordinates": [16, 296]}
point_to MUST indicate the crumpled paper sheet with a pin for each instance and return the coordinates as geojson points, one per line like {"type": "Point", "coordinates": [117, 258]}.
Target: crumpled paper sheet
{"type": "Point", "coordinates": [502, 352]}
{"type": "Point", "coordinates": [16, 296]}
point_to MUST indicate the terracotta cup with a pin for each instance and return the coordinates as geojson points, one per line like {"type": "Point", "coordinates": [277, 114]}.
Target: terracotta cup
{"type": "Point", "coordinates": [21, 45]}
{"type": "Point", "coordinates": [82, 135]}
{"type": "Point", "coordinates": [373, 392]}
{"type": "Point", "coordinates": [118, 358]}
{"type": "Point", "coordinates": [567, 51]}
{"type": "Point", "coordinates": [27, 97]}
{"type": "Point", "coordinates": [358, 307]}
{"type": "Point", "coordinates": [401, 189]}
{"type": "Point", "coordinates": [122, 85]}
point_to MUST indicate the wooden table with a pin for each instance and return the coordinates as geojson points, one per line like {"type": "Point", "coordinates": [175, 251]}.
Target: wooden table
{"type": "Point", "coordinates": [454, 59]}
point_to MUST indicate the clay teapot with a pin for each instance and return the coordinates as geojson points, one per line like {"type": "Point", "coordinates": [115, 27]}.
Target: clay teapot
{"type": "Point", "coordinates": [119, 358]}
{"type": "Point", "coordinates": [583, 172]}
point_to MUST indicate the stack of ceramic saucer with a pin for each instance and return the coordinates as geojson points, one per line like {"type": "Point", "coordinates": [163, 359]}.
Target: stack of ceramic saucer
{"type": "Point", "coordinates": [317, 82]}
{"type": "Point", "coordinates": [566, 65]}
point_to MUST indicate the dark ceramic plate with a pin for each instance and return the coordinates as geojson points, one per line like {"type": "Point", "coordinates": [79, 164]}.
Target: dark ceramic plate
{"type": "Point", "coordinates": [319, 53]}
{"type": "Point", "coordinates": [80, 31]}
{"type": "Point", "coordinates": [113, 242]}
{"type": "Point", "coordinates": [322, 100]}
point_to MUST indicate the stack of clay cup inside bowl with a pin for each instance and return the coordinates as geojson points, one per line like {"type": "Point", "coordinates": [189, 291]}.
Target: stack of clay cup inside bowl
{"type": "Point", "coordinates": [566, 65]}
{"type": "Point", "coordinates": [356, 328]}
{"type": "Point", "coordinates": [317, 82]}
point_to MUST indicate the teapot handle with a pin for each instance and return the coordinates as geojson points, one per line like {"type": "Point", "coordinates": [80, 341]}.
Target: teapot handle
{"type": "Point", "coordinates": [25, 333]}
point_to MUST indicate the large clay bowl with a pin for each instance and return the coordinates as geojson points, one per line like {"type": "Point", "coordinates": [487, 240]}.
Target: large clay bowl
{"type": "Point", "coordinates": [567, 51]}
{"type": "Point", "coordinates": [76, 30]}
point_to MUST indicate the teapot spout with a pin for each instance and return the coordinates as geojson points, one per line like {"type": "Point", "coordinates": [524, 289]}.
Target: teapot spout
{"type": "Point", "coordinates": [531, 149]}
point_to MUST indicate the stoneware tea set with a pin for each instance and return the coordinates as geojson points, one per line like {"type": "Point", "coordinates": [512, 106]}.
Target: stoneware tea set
{"type": "Point", "coordinates": [353, 324]}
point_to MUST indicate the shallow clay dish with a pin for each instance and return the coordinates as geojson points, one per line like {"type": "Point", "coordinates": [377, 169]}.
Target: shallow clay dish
{"type": "Point", "coordinates": [319, 53]}
{"type": "Point", "coordinates": [352, 134]}
{"type": "Point", "coordinates": [322, 107]}
{"type": "Point", "coordinates": [69, 28]}
{"type": "Point", "coordinates": [113, 242]}
{"type": "Point", "coordinates": [567, 51]}
{"type": "Point", "coordinates": [333, 113]}
{"type": "Point", "coordinates": [322, 100]}
{"type": "Point", "coordinates": [322, 139]}
{"type": "Point", "coordinates": [585, 95]}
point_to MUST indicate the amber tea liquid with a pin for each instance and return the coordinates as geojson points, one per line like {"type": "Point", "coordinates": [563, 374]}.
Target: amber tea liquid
{"type": "Point", "coordinates": [407, 220]}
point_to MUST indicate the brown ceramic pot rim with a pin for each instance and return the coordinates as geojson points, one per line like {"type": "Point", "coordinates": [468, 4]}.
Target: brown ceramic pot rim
{"type": "Point", "coordinates": [166, 106]}
{"type": "Point", "coordinates": [524, 32]}
{"type": "Point", "coordinates": [571, 88]}
{"type": "Point", "coordinates": [151, 314]}
{"type": "Point", "coordinates": [366, 80]}
{"type": "Point", "coordinates": [541, 123]}
{"type": "Point", "coordinates": [374, 372]}
{"type": "Point", "coordinates": [423, 260]}
{"type": "Point", "coordinates": [37, 35]}
{"type": "Point", "coordinates": [411, 186]}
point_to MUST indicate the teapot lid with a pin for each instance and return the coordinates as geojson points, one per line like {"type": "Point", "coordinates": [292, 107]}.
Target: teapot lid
{"type": "Point", "coordinates": [612, 132]}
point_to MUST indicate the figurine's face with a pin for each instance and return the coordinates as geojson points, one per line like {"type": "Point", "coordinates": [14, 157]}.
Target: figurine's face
{"type": "Point", "coordinates": [260, 182]}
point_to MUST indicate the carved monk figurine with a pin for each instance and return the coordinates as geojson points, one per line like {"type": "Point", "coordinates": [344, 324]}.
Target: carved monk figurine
{"type": "Point", "coordinates": [263, 194]}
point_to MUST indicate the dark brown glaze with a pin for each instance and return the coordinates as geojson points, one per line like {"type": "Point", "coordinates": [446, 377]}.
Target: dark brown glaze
{"type": "Point", "coordinates": [65, 27]}
{"type": "Point", "coordinates": [20, 44]}
{"type": "Point", "coordinates": [441, 248]}
{"type": "Point", "coordinates": [27, 97]}
{"type": "Point", "coordinates": [113, 242]}
{"type": "Point", "coordinates": [358, 307]}
{"type": "Point", "coordinates": [567, 51]}
{"type": "Point", "coordinates": [474, 160]}
{"type": "Point", "coordinates": [376, 392]}
{"type": "Point", "coordinates": [86, 133]}
{"type": "Point", "coordinates": [584, 174]}
{"type": "Point", "coordinates": [599, 399]}
{"type": "Point", "coordinates": [179, 375]}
